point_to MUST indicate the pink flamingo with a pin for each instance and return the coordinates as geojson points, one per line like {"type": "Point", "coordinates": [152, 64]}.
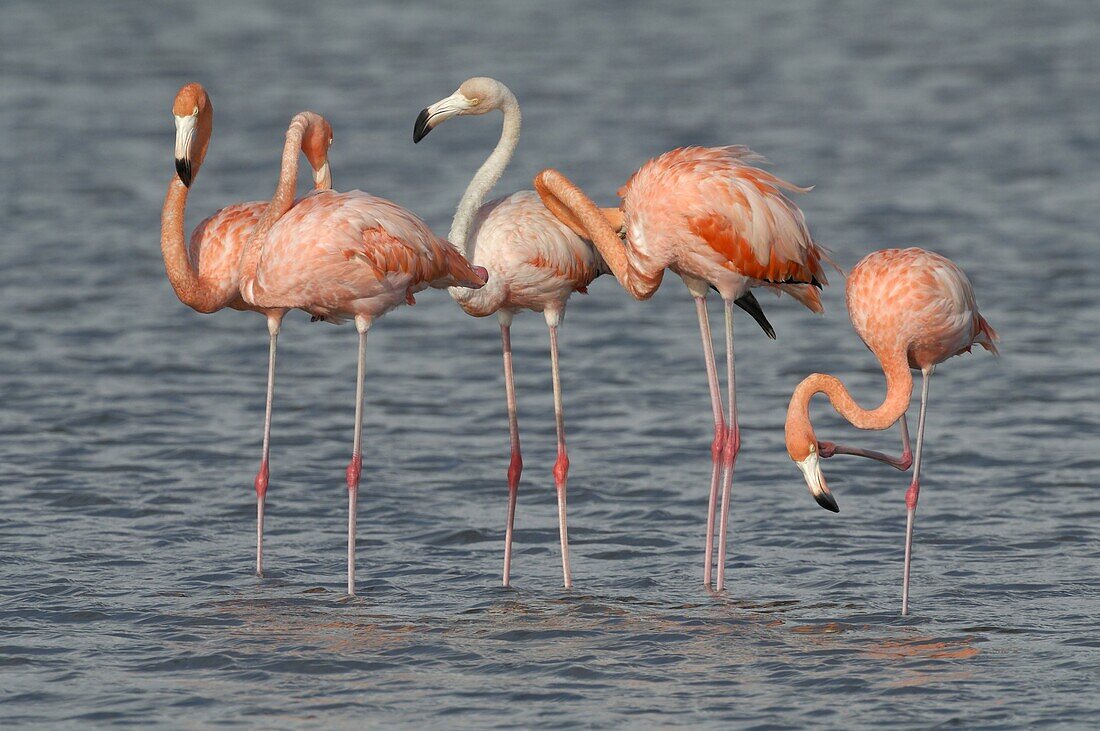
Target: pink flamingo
{"type": "Point", "coordinates": [535, 263]}
{"type": "Point", "coordinates": [913, 309]}
{"type": "Point", "coordinates": [718, 222]}
{"type": "Point", "coordinates": [204, 274]}
{"type": "Point", "coordinates": [345, 255]}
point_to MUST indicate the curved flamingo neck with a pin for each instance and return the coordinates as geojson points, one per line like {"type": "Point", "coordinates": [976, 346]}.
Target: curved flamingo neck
{"type": "Point", "coordinates": [899, 389]}
{"type": "Point", "coordinates": [284, 193]}
{"type": "Point", "coordinates": [488, 174]}
{"type": "Point", "coordinates": [173, 246]}
{"type": "Point", "coordinates": [571, 206]}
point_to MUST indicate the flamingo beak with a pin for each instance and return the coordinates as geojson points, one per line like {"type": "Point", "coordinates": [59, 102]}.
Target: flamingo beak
{"type": "Point", "coordinates": [815, 480]}
{"type": "Point", "coordinates": [322, 177]}
{"type": "Point", "coordinates": [185, 136]}
{"type": "Point", "coordinates": [431, 117]}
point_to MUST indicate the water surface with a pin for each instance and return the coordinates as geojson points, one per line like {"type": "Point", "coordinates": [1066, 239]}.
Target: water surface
{"type": "Point", "coordinates": [130, 426]}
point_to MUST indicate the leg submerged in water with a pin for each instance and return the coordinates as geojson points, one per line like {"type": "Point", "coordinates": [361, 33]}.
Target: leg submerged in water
{"type": "Point", "coordinates": [274, 323]}
{"type": "Point", "coordinates": [913, 492]}
{"type": "Point", "coordinates": [515, 465]}
{"type": "Point", "coordinates": [719, 433]}
{"type": "Point", "coordinates": [730, 448]}
{"type": "Point", "coordinates": [561, 466]}
{"type": "Point", "coordinates": [355, 466]}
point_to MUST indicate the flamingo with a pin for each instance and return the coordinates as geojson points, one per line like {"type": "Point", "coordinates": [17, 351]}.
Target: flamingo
{"type": "Point", "coordinates": [345, 255]}
{"type": "Point", "coordinates": [913, 309]}
{"type": "Point", "coordinates": [719, 223]}
{"type": "Point", "coordinates": [535, 263]}
{"type": "Point", "coordinates": [204, 274]}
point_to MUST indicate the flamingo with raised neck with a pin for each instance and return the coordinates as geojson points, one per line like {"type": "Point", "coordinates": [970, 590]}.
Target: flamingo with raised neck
{"type": "Point", "coordinates": [205, 274]}
{"type": "Point", "coordinates": [534, 261]}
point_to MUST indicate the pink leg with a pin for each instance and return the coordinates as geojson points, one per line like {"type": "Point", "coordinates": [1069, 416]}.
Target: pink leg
{"type": "Point", "coordinates": [515, 467]}
{"type": "Point", "coordinates": [355, 466]}
{"type": "Point", "coordinates": [719, 433]}
{"type": "Point", "coordinates": [828, 449]}
{"type": "Point", "coordinates": [561, 466]}
{"type": "Point", "coordinates": [730, 447]}
{"type": "Point", "coordinates": [913, 492]}
{"type": "Point", "coordinates": [273, 325]}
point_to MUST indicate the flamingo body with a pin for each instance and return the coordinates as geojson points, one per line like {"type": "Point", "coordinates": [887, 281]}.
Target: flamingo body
{"type": "Point", "coordinates": [340, 255]}
{"type": "Point", "coordinates": [534, 261]}
{"type": "Point", "coordinates": [918, 301]}
{"type": "Point", "coordinates": [215, 250]}
{"type": "Point", "coordinates": [706, 213]}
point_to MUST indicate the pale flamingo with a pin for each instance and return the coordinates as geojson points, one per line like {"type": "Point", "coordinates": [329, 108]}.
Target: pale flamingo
{"type": "Point", "coordinates": [204, 274]}
{"type": "Point", "coordinates": [718, 222]}
{"type": "Point", "coordinates": [345, 255]}
{"type": "Point", "coordinates": [534, 261]}
{"type": "Point", "coordinates": [913, 309]}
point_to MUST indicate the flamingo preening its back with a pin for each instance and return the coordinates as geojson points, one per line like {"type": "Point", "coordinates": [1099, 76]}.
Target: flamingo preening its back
{"type": "Point", "coordinates": [345, 256]}
{"type": "Point", "coordinates": [913, 309]}
{"type": "Point", "coordinates": [719, 222]}
{"type": "Point", "coordinates": [205, 274]}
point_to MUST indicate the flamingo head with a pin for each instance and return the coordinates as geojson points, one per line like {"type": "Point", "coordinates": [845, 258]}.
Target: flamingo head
{"type": "Point", "coordinates": [477, 95]}
{"type": "Point", "coordinates": [194, 115]}
{"type": "Point", "coordinates": [802, 448]}
{"type": "Point", "coordinates": [315, 144]}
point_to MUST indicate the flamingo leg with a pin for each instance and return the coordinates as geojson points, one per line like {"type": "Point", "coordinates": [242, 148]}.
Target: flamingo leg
{"type": "Point", "coordinates": [561, 466]}
{"type": "Point", "coordinates": [355, 466]}
{"type": "Point", "coordinates": [914, 491]}
{"type": "Point", "coordinates": [263, 474]}
{"type": "Point", "coordinates": [904, 462]}
{"type": "Point", "coordinates": [730, 447]}
{"type": "Point", "coordinates": [719, 432]}
{"type": "Point", "coordinates": [515, 467]}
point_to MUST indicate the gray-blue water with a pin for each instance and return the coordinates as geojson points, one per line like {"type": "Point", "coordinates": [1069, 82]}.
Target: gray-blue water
{"type": "Point", "coordinates": [130, 426]}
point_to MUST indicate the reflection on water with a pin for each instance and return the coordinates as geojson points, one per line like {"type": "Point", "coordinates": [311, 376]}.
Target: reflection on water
{"type": "Point", "coordinates": [130, 426]}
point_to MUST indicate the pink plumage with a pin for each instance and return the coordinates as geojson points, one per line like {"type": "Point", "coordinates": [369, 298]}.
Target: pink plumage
{"type": "Point", "coordinates": [918, 301]}
{"type": "Point", "coordinates": [345, 255]}
{"type": "Point", "coordinates": [707, 213]}
{"type": "Point", "coordinates": [215, 249]}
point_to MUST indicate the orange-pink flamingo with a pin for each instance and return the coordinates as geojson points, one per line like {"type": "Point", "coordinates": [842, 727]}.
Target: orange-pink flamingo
{"type": "Point", "coordinates": [204, 274]}
{"type": "Point", "coordinates": [534, 261]}
{"type": "Point", "coordinates": [913, 309]}
{"type": "Point", "coordinates": [718, 222]}
{"type": "Point", "coordinates": [345, 255]}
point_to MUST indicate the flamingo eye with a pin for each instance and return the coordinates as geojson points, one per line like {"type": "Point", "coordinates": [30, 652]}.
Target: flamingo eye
{"type": "Point", "coordinates": [475, 101]}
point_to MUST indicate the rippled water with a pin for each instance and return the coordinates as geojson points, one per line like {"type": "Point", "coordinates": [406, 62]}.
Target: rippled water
{"type": "Point", "coordinates": [130, 426]}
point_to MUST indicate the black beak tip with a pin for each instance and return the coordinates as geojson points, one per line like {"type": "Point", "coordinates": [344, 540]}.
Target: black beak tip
{"type": "Point", "coordinates": [183, 170]}
{"type": "Point", "coordinates": [421, 128]}
{"type": "Point", "coordinates": [827, 501]}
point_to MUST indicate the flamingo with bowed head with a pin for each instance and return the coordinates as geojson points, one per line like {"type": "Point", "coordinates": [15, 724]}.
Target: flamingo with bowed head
{"type": "Point", "coordinates": [345, 255]}
{"type": "Point", "coordinates": [534, 261]}
{"type": "Point", "coordinates": [719, 223]}
{"type": "Point", "coordinates": [204, 274]}
{"type": "Point", "coordinates": [913, 309]}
